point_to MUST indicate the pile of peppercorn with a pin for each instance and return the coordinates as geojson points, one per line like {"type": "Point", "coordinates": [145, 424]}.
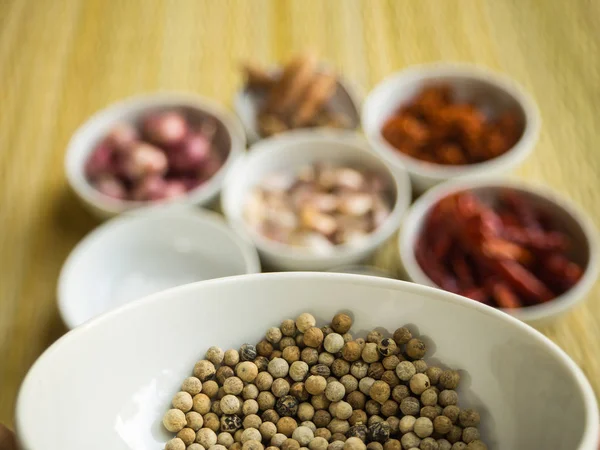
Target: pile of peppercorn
{"type": "Point", "coordinates": [309, 388]}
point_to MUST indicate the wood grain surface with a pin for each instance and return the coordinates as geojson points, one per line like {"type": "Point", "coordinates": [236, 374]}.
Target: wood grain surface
{"type": "Point", "coordinates": [61, 60]}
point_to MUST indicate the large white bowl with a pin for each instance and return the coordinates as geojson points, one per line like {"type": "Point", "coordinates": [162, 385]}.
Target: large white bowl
{"type": "Point", "coordinates": [106, 384]}
{"type": "Point", "coordinates": [572, 221]}
{"type": "Point", "coordinates": [230, 134]}
{"type": "Point", "coordinates": [289, 151]}
{"type": "Point", "coordinates": [495, 91]}
{"type": "Point", "coordinates": [146, 251]}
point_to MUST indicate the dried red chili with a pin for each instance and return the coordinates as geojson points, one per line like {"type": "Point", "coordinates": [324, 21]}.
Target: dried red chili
{"type": "Point", "coordinates": [434, 128]}
{"type": "Point", "coordinates": [506, 256]}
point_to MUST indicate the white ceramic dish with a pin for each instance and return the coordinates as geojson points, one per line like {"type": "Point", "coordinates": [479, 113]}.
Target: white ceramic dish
{"type": "Point", "coordinates": [494, 91]}
{"type": "Point", "coordinates": [146, 251]}
{"type": "Point", "coordinates": [230, 135]}
{"type": "Point", "coordinates": [292, 150]}
{"type": "Point", "coordinates": [107, 384]}
{"type": "Point", "coordinates": [346, 100]}
{"type": "Point", "coordinates": [360, 269]}
{"type": "Point", "coordinates": [585, 248]}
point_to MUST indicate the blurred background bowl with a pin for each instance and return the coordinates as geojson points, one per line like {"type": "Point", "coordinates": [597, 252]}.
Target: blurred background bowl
{"type": "Point", "coordinates": [288, 152]}
{"type": "Point", "coordinates": [493, 92]}
{"type": "Point", "coordinates": [229, 137]}
{"type": "Point", "coordinates": [120, 372]}
{"type": "Point", "coordinates": [565, 215]}
{"type": "Point", "coordinates": [146, 251]}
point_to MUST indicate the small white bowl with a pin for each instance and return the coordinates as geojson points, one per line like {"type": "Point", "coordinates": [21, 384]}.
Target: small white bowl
{"type": "Point", "coordinates": [290, 151]}
{"type": "Point", "coordinates": [573, 222]}
{"type": "Point", "coordinates": [347, 100]}
{"type": "Point", "coordinates": [107, 384]}
{"type": "Point", "coordinates": [230, 135]}
{"type": "Point", "coordinates": [493, 91]}
{"type": "Point", "coordinates": [146, 251]}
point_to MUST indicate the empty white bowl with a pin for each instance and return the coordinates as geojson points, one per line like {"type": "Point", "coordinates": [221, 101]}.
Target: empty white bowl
{"type": "Point", "coordinates": [347, 100]}
{"type": "Point", "coordinates": [146, 251]}
{"type": "Point", "coordinates": [495, 93]}
{"type": "Point", "coordinates": [569, 218]}
{"type": "Point", "coordinates": [288, 152]}
{"type": "Point", "coordinates": [107, 384]}
{"type": "Point", "coordinates": [229, 135]}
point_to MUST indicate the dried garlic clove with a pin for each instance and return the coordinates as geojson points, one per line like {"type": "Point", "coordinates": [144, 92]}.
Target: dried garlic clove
{"type": "Point", "coordinates": [277, 182]}
{"type": "Point", "coordinates": [315, 242]}
{"type": "Point", "coordinates": [355, 204]}
{"type": "Point", "coordinates": [324, 202]}
{"type": "Point", "coordinates": [381, 212]}
{"type": "Point", "coordinates": [307, 174]}
{"type": "Point", "coordinates": [315, 220]}
{"type": "Point", "coordinates": [346, 177]}
{"type": "Point", "coordinates": [302, 195]}
{"type": "Point", "coordinates": [354, 238]}
{"type": "Point", "coordinates": [255, 208]}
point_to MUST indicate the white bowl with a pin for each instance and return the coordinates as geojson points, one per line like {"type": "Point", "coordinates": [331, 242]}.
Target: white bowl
{"type": "Point", "coordinates": [468, 82]}
{"type": "Point", "coordinates": [230, 134]}
{"type": "Point", "coordinates": [146, 251]}
{"type": "Point", "coordinates": [107, 384]}
{"type": "Point", "coordinates": [294, 149]}
{"type": "Point", "coordinates": [347, 99]}
{"type": "Point", "coordinates": [574, 223]}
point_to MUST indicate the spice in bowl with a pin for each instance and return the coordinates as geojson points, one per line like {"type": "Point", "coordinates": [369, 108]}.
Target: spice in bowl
{"type": "Point", "coordinates": [305, 387]}
{"type": "Point", "coordinates": [300, 96]}
{"type": "Point", "coordinates": [319, 206]}
{"type": "Point", "coordinates": [436, 128]}
{"type": "Point", "coordinates": [164, 156]}
{"type": "Point", "coordinates": [506, 252]}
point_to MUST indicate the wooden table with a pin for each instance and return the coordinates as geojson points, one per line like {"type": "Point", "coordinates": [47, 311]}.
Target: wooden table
{"type": "Point", "coordinates": [61, 60]}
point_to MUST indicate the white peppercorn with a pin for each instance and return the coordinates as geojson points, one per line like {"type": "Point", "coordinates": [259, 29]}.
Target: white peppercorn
{"type": "Point", "coordinates": [451, 412]}
{"type": "Point", "coordinates": [290, 444]}
{"type": "Point", "coordinates": [405, 370]}
{"type": "Point", "coordinates": [392, 444]}
{"type": "Point", "coordinates": [476, 445]}
{"type": "Point", "coordinates": [318, 443]}
{"type": "Point", "coordinates": [233, 385]}
{"type": "Point", "coordinates": [341, 410]}
{"type": "Point", "coordinates": [182, 401]}
{"type": "Point", "coordinates": [206, 437]}
{"type": "Point", "coordinates": [192, 386]}
{"type": "Point", "coordinates": [359, 369]}
{"type": "Point", "coordinates": [380, 391]}
{"type": "Point", "coordinates": [374, 419]}
{"type": "Point", "coordinates": [313, 337]}
{"type": "Point", "coordinates": [315, 384]}
{"type": "Point", "coordinates": [247, 371]}
{"type": "Point", "coordinates": [287, 341]}
{"type": "Point", "coordinates": [400, 392]}
{"type": "Point", "coordinates": [376, 370]}
{"type": "Point", "coordinates": [365, 384]}
{"type": "Point", "coordinates": [419, 383]}
{"type": "Point", "coordinates": [251, 434]}
{"type": "Point", "coordinates": [252, 421]}
{"type": "Point", "coordinates": [348, 337]}
{"type": "Point", "coordinates": [349, 382]}
{"type": "Point", "coordinates": [278, 439]}
{"type": "Point", "coordinates": [252, 445]}
{"type": "Point", "coordinates": [231, 358]}
{"type": "Point", "coordinates": [410, 406]}
{"type": "Point", "coordinates": [250, 406]}
{"type": "Point", "coordinates": [394, 423]}
{"type": "Point", "coordinates": [407, 424]}
{"type": "Point", "coordinates": [390, 362]}
{"type": "Point", "coordinates": [250, 391]}
{"type": "Point", "coordinates": [423, 427]}
{"type": "Point", "coordinates": [372, 407]}
{"type": "Point", "coordinates": [387, 347]}
{"type": "Point", "coordinates": [174, 420]}
{"type": "Point", "coordinates": [204, 370]}
{"type": "Point", "coordinates": [270, 415]}
{"type": "Point", "coordinates": [468, 418]}
{"type": "Point", "coordinates": [449, 379]}
{"type": "Point", "coordinates": [321, 370]}
{"type": "Point", "coordinates": [305, 321]}
{"type": "Point", "coordinates": [288, 327]}
{"type": "Point", "coordinates": [448, 397]}
{"type": "Point", "coordinates": [410, 441]}
{"type": "Point", "coordinates": [333, 343]}
{"type": "Point", "coordinates": [286, 425]}
{"type": "Point", "coordinates": [341, 323]}
{"type": "Point", "coordinates": [210, 388]}
{"type": "Point", "coordinates": [309, 355]}
{"type": "Point", "coordinates": [443, 444]}
{"type": "Point", "coordinates": [175, 444]}
{"type": "Point", "coordinates": [298, 370]}
{"type": "Point", "coordinates": [374, 446]}
{"type": "Point", "coordinates": [420, 365]}
{"type": "Point", "coordinates": [264, 348]}
{"type": "Point", "coordinates": [225, 439]}
{"type": "Point", "coordinates": [336, 445]}
{"type": "Point", "coordinates": [306, 411]}
{"type": "Point", "coordinates": [266, 400]}
{"type": "Point", "coordinates": [460, 445]}
{"type": "Point", "coordinates": [291, 354]}
{"type": "Point", "coordinates": [323, 433]}
{"type": "Point", "coordinates": [321, 418]}
{"type": "Point", "coordinates": [340, 367]}
{"type": "Point", "coordinates": [237, 437]}
{"type": "Point", "coordinates": [299, 391]}
{"type": "Point", "coordinates": [217, 447]}
{"type": "Point", "coordinates": [274, 335]}
{"type": "Point", "coordinates": [194, 420]}
{"type": "Point", "coordinates": [455, 434]}
{"type": "Point", "coordinates": [212, 421]}
{"type": "Point", "coordinates": [351, 351]}
{"type": "Point", "coordinates": [326, 359]}
{"type": "Point", "coordinates": [215, 355]}
{"type": "Point", "coordinates": [196, 446]}
{"type": "Point", "coordinates": [358, 416]}
{"type": "Point", "coordinates": [338, 426]}
{"type": "Point", "coordinates": [187, 435]}
{"type": "Point", "coordinates": [354, 443]}
{"type": "Point", "coordinates": [303, 435]}
{"type": "Point", "coordinates": [416, 348]}
{"type": "Point", "coordinates": [338, 437]}
{"type": "Point", "coordinates": [389, 408]}
{"type": "Point", "coordinates": [335, 391]}
{"type": "Point", "coordinates": [229, 404]}
{"type": "Point", "coordinates": [309, 424]}
{"type": "Point", "coordinates": [280, 387]}
{"type": "Point", "coordinates": [319, 401]}
{"type": "Point", "coordinates": [428, 444]}
{"type": "Point", "coordinates": [469, 434]}
{"type": "Point", "coordinates": [356, 399]}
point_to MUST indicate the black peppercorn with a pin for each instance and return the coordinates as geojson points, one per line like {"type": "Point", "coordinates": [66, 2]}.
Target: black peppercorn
{"type": "Point", "coordinates": [320, 369]}
{"type": "Point", "coordinates": [379, 432]}
{"type": "Point", "coordinates": [247, 352]}
{"type": "Point", "coordinates": [262, 363]}
{"type": "Point", "coordinates": [287, 406]}
{"type": "Point", "coordinates": [230, 423]}
{"type": "Point", "coordinates": [360, 431]}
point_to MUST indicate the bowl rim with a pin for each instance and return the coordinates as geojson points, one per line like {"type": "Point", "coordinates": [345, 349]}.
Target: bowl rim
{"type": "Point", "coordinates": [272, 145]}
{"type": "Point", "coordinates": [422, 206]}
{"type": "Point", "coordinates": [588, 439]}
{"type": "Point", "coordinates": [439, 172]}
{"type": "Point", "coordinates": [75, 171]}
{"type": "Point", "coordinates": [202, 218]}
